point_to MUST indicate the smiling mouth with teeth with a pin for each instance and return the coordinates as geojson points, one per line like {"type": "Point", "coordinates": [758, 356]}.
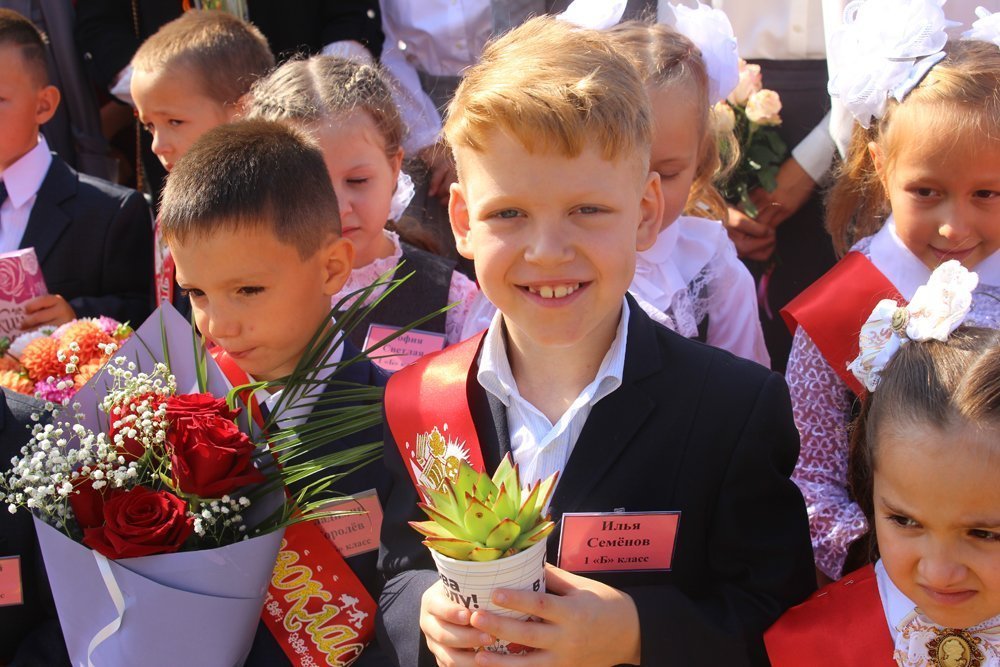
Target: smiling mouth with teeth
{"type": "Point", "coordinates": [557, 292]}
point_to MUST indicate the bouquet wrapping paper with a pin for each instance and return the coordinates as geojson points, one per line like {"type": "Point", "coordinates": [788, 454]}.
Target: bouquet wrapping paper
{"type": "Point", "coordinates": [20, 280]}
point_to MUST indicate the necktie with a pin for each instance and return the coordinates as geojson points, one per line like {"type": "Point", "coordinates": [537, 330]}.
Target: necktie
{"type": "Point", "coordinates": [922, 643]}
{"type": "Point", "coordinates": [3, 192]}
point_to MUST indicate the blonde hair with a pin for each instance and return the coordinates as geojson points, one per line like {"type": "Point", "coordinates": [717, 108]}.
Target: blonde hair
{"type": "Point", "coordinates": [665, 59]}
{"type": "Point", "coordinates": [227, 54]}
{"type": "Point", "coordinates": [554, 87]}
{"type": "Point", "coordinates": [958, 101]}
{"type": "Point", "coordinates": [308, 91]}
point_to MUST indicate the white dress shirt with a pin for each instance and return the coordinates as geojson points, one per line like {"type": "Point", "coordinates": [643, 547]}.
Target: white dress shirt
{"type": "Point", "coordinates": [22, 179]}
{"type": "Point", "coordinates": [538, 446]}
{"type": "Point", "coordinates": [439, 37]}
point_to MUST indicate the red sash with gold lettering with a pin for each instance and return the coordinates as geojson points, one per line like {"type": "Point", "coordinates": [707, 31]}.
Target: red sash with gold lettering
{"type": "Point", "coordinates": [427, 411]}
{"type": "Point", "coordinates": [841, 624]}
{"type": "Point", "coordinates": [834, 308]}
{"type": "Point", "coordinates": [316, 607]}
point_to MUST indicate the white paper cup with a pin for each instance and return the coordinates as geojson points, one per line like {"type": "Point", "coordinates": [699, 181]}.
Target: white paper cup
{"type": "Point", "coordinates": [471, 584]}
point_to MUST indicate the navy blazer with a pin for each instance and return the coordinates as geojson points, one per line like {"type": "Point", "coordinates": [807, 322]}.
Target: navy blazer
{"type": "Point", "coordinates": [266, 652]}
{"type": "Point", "coordinates": [94, 241]}
{"type": "Point", "coordinates": [29, 632]}
{"type": "Point", "coordinates": [692, 429]}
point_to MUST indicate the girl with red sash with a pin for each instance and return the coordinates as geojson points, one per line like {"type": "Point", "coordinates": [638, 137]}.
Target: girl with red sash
{"type": "Point", "coordinates": [920, 186]}
{"type": "Point", "coordinates": [924, 463]}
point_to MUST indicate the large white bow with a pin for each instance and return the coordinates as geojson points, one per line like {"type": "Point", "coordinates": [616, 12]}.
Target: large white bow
{"type": "Point", "coordinates": [712, 33]}
{"type": "Point", "coordinates": [882, 51]}
{"type": "Point", "coordinates": [986, 28]}
{"type": "Point", "coordinates": [936, 310]}
{"type": "Point", "coordinates": [594, 14]}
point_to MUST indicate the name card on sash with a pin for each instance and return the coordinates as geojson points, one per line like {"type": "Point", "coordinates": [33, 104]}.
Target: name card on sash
{"type": "Point", "coordinates": [402, 351]}
{"type": "Point", "coordinates": [10, 581]}
{"type": "Point", "coordinates": [617, 541]}
{"type": "Point", "coordinates": [354, 534]}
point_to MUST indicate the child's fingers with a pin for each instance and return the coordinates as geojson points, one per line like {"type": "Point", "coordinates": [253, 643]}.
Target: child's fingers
{"type": "Point", "coordinates": [561, 582]}
{"type": "Point", "coordinates": [541, 605]}
{"type": "Point", "coordinates": [528, 633]}
{"type": "Point", "coordinates": [436, 603]}
{"type": "Point", "coordinates": [39, 303]}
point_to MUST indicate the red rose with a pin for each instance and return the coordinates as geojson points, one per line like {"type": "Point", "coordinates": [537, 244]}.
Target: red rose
{"type": "Point", "coordinates": [194, 405]}
{"type": "Point", "coordinates": [88, 503]}
{"type": "Point", "coordinates": [140, 522]}
{"type": "Point", "coordinates": [210, 456]}
{"type": "Point", "coordinates": [126, 415]}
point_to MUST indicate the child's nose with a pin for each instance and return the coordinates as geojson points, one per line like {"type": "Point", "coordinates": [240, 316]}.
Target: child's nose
{"type": "Point", "coordinates": [954, 226]}
{"type": "Point", "coordinates": [344, 204]}
{"type": "Point", "coordinates": [548, 244]}
{"type": "Point", "coordinates": [222, 325]}
{"type": "Point", "coordinates": [160, 144]}
{"type": "Point", "coordinates": [939, 568]}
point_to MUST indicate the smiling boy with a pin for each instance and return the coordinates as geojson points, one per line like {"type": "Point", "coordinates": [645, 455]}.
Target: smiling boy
{"type": "Point", "coordinates": [551, 134]}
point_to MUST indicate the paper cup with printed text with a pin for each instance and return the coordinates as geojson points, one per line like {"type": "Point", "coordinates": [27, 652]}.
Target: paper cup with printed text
{"type": "Point", "coordinates": [471, 584]}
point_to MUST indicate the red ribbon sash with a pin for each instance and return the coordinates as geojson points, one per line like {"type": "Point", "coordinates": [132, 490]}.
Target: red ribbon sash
{"type": "Point", "coordinates": [427, 411]}
{"type": "Point", "coordinates": [842, 624]}
{"type": "Point", "coordinates": [316, 607]}
{"type": "Point", "coordinates": [164, 270]}
{"type": "Point", "coordinates": [834, 308]}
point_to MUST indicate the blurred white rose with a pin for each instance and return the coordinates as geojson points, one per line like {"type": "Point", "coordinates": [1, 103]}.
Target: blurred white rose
{"type": "Point", "coordinates": [749, 83]}
{"type": "Point", "coordinates": [764, 108]}
{"type": "Point", "coordinates": [723, 118]}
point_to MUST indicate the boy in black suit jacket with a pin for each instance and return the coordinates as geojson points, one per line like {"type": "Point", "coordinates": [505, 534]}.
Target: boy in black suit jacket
{"type": "Point", "coordinates": [93, 238]}
{"type": "Point", "coordinates": [252, 221]}
{"type": "Point", "coordinates": [551, 134]}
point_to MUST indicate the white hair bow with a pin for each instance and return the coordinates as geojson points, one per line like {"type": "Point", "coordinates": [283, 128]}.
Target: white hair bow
{"type": "Point", "coordinates": [882, 50]}
{"type": "Point", "coordinates": [402, 196]}
{"type": "Point", "coordinates": [936, 310]}
{"type": "Point", "coordinates": [712, 33]}
{"type": "Point", "coordinates": [986, 28]}
{"type": "Point", "coordinates": [594, 14]}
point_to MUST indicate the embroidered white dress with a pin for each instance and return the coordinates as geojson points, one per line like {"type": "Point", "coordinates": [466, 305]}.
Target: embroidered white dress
{"type": "Point", "coordinates": [461, 290]}
{"type": "Point", "coordinates": [822, 402]}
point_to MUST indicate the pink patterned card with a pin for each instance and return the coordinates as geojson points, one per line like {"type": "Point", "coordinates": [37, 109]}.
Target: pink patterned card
{"type": "Point", "coordinates": [403, 351]}
{"type": "Point", "coordinates": [10, 581]}
{"type": "Point", "coordinates": [20, 280]}
{"type": "Point", "coordinates": [617, 541]}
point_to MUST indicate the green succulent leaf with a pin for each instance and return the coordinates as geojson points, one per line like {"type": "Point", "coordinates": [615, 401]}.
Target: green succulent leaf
{"type": "Point", "coordinates": [479, 519]}
{"type": "Point", "coordinates": [456, 528]}
{"type": "Point", "coordinates": [545, 490]}
{"type": "Point", "coordinates": [503, 536]}
{"type": "Point", "coordinates": [535, 535]}
{"type": "Point", "coordinates": [504, 505]}
{"type": "Point", "coordinates": [451, 547]}
{"type": "Point", "coordinates": [527, 516]}
{"type": "Point", "coordinates": [485, 490]}
{"type": "Point", "coordinates": [483, 554]}
{"type": "Point", "coordinates": [432, 529]}
{"type": "Point", "coordinates": [465, 481]}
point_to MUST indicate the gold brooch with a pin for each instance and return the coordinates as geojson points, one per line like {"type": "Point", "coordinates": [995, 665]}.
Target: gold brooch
{"type": "Point", "coordinates": [955, 648]}
{"type": "Point", "coordinates": [900, 318]}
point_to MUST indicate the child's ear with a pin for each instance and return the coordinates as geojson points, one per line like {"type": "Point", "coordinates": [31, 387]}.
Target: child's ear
{"type": "Point", "coordinates": [650, 213]}
{"type": "Point", "coordinates": [396, 161]}
{"type": "Point", "coordinates": [878, 159]}
{"type": "Point", "coordinates": [339, 259]}
{"type": "Point", "coordinates": [46, 104]}
{"type": "Point", "coordinates": [458, 211]}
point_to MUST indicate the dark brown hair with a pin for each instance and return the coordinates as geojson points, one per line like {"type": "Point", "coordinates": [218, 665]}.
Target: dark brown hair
{"type": "Point", "coordinates": [18, 31]}
{"type": "Point", "coordinates": [958, 101]}
{"type": "Point", "coordinates": [252, 174]}
{"type": "Point", "coordinates": [227, 54]}
{"type": "Point", "coordinates": [940, 384]}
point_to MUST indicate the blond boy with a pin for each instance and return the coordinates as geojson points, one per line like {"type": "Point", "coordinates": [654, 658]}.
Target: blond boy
{"type": "Point", "coordinates": [551, 135]}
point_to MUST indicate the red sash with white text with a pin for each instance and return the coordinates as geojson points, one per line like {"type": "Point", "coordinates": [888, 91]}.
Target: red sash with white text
{"type": "Point", "coordinates": [316, 607]}
{"type": "Point", "coordinates": [841, 624]}
{"type": "Point", "coordinates": [427, 411]}
{"type": "Point", "coordinates": [834, 308]}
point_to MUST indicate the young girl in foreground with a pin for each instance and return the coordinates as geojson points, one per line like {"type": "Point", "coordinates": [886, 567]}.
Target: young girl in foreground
{"type": "Point", "coordinates": [347, 107]}
{"type": "Point", "coordinates": [925, 461]}
{"type": "Point", "coordinates": [921, 185]}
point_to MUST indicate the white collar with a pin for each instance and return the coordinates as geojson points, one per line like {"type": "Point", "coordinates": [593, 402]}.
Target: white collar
{"type": "Point", "coordinates": [495, 374]}
{"type": "Point", "coordinates": [657, 276]}
{"type": "Point", "coordinates": [906, 272]}
{"type": "Point", "coordinates": [24, 177]}
{"type": "Point", "coordinates": [895, 605]}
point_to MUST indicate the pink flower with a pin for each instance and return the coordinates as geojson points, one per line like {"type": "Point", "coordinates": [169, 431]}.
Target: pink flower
{"type": "Point", "coordinates": [749, 83]}
{"type": "Point", "coordinates": [51, 391]}
{"type": "Point", "coordinates": [764, 108]}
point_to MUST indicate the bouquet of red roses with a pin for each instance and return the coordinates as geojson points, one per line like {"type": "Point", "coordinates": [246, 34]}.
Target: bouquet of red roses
{"type": "Point", "coordinates": [159, 515]}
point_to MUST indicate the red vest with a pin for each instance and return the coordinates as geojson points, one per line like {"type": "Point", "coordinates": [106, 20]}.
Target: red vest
{"type": "Point", "coordinates": [841, 624]}
{"type": "Point", "coordinates": [834, 308]}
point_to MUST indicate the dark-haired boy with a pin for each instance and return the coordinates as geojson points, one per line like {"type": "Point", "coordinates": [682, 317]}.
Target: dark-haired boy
{"type": "Point", "coordinates": [92, 237]}
{"type": "Point", "coordinates": [252, 222]}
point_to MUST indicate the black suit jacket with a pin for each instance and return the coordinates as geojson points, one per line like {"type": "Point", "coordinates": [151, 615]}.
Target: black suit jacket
{"type": "Point", "coordinates": [29, 632]}
{"type": "Point", "coordinates": [94, 240]}
{"type": "Point", "coordinates": [266, 652]}
{"type": "Point", "coordinates": [692, 429]}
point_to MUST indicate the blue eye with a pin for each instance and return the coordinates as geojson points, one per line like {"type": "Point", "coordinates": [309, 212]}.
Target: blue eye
{"type": "Point", "coordinates": [508, 213]}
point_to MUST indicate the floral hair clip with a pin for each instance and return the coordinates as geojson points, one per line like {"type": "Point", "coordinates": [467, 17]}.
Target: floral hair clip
{"type": "Point", "coordinates": [712, 33]}
{"type": "Point", "coordinates": [986, 28]}
{"type": "Point", "coordinates": [936, 310]}
{"type": "Point", "coordinates": [594, 14]}
{"type": "Point", "coordinates": [883, 50]}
